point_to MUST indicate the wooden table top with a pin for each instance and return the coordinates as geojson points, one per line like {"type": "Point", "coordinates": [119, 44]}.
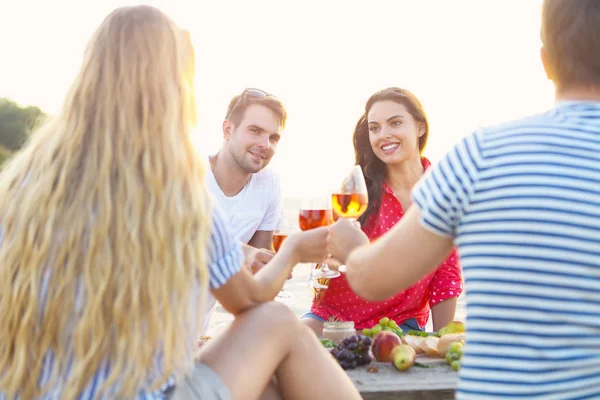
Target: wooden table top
{"type": "Point", "coordinates": [437, 382]}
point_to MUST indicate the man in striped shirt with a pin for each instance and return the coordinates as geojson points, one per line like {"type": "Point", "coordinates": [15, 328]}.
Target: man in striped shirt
{"type": "Point", "coordinates": [522, 203]}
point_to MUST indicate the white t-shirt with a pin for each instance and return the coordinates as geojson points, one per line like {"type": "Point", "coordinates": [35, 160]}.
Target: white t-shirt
{"type": "Point", "coordinates": [257, 207]}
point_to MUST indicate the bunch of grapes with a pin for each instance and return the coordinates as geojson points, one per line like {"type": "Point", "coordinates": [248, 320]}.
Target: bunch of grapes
{"type": "Point", "coordinates": [454, 355]}
{"type": "Point", "coordinates": [385, 324]}
{"type": "Point", "coordinates": [353, 351]}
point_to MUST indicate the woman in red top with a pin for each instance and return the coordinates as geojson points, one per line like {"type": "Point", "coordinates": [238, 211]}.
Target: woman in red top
{"type": "Point", "coordinates": [388, 142]}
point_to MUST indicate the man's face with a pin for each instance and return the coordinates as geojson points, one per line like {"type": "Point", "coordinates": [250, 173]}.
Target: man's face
{"type": "Point", "coordinates": [252, 143]}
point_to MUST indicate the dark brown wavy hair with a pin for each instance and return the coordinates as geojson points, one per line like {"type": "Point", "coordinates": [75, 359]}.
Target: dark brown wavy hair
{"type": "Point", "coordinates": [373, 168]}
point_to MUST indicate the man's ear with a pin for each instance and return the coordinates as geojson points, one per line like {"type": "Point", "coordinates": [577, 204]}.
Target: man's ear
{"type": "Point", "coordinates": [546, 64]}
{"type": "Point", "coordinates": [228, 128]}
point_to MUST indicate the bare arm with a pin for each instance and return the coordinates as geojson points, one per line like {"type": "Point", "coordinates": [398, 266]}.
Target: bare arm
{"type": "Point", "coordinates": [378, 271]}
{"type": "Point", "coordinates": [245, 290]}
{"type": "Point", "coordinates": [261, 239]}
{"type": "Point", "coordinates": [256, 259]}
{"type": "Point", "coordinates": [443, 313]}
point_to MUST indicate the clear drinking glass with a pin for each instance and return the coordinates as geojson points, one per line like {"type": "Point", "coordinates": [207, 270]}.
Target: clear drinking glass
{"type": "Point", "coordinates": [314, 213]}
{"type": "Point", "coordinates": [351, 199]}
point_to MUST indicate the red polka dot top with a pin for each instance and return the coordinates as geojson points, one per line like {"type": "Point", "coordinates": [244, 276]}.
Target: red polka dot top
{"type": "Point", "coordinates": [339, 300]}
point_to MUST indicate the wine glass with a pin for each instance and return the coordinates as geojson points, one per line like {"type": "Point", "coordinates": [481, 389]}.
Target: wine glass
{"type": "Point", "coordinates": [284, 228]}
{"type": "Point", "coordinates": [351, 199]}
{"type": "Point", "coordinates": [314, 213]}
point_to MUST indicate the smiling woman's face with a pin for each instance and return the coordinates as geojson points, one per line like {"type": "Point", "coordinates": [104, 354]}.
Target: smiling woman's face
{"type": "Point", "coordinates": [393, 132]}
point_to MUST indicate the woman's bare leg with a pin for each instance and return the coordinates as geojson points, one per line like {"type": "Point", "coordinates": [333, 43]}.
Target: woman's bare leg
{"type": "Point", "coordinates": [271, 392]}
{"type": "Point", "coordinates": [270, 340]}
{"type": "Point", "coordinates": [315, 325]}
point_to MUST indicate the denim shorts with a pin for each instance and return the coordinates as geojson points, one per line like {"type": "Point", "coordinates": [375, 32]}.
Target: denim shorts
{"type": "Point", "coordinates": [408, 325]}
{"type": "Point", "coordinates": [312, 316]}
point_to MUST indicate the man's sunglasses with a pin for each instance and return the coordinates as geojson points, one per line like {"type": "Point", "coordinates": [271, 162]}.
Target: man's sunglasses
{"type": "Point", "coordinates": [251, 92]}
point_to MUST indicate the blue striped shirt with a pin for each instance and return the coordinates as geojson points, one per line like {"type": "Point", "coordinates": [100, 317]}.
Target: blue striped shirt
{"type": "Point", "coordinates": [522, 201]}
{"type": "Point", "coordinates": [225, 260]}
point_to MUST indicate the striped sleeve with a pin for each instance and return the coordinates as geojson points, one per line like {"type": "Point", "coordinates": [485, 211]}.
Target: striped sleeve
{"type": "Point", "coordinates": [444, 192]}
{"type": "Point", "coordinates": [225, 257]}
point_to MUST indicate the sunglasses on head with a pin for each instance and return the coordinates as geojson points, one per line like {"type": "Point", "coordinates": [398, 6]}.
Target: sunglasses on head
{"type": "Point", "coordinates": [250, 92]}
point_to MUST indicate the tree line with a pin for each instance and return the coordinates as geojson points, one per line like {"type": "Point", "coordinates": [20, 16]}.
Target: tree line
{"type": "Point", "coordinates": [16, 125]}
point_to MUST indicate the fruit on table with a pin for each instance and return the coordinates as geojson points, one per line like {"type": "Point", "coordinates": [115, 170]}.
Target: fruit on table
{"type": "Point", "coordinates": [383, 345]}
{"type": "Point", "coordinates": [403, 357]}
{"type": "Point", "coordinates": [453, 327]}
{"type": "Point", "coordinates": [448, 339]}
{"type": "Point", "coordinates": [456, 347]}
{"type": "Point", "coordinates": [376, 329]}
{"type": "Point", "coordinates": [385, 324]}
{"type": "Point", "coordinates": [454, 355]}
{"type": "Point", "coordinates": [455, 365]}
{"type": "Point", "coordinates": [327, 343]}
{"type": "Point", "coordinates": [353, 351]}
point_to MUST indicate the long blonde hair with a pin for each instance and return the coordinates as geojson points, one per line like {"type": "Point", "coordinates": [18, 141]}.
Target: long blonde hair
{"type": "Point", "coordinates": [106, 220]}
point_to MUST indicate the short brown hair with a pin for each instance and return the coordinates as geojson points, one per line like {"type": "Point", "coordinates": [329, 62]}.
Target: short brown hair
{"type": "Point", "coordinates": [571, 37]}
{"type": "Point", "coordinates": [240, 103]}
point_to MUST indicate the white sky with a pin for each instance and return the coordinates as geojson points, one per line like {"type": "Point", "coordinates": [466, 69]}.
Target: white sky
{"type": "Point", "coordinates": [471, 63]}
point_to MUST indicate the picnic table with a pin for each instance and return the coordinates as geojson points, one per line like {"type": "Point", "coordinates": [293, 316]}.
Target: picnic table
{"type": "Point", "coordinates": [437, 382]}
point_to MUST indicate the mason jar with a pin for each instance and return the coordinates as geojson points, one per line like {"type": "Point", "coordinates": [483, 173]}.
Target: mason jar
{"type": "Point", "coordinates": [338, 331]}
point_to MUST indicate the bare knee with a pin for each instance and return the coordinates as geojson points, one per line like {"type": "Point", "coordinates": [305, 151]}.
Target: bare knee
{"type": "Point", "coordinates": [271, 391]}
{"type": "Point", "coordinates": [276, 316]}
{"type": "Point", "coordinates": [315, 325]}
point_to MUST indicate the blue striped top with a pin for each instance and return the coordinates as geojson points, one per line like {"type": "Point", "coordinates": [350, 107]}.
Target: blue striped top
{"type": "Point", "coordinates": [225, 260]}
{"type": "Point", "coordinates": [522, 201]}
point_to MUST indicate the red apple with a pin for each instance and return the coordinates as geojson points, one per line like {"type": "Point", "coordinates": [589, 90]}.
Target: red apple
{"type": "Point", "coordinates": [383, 345]}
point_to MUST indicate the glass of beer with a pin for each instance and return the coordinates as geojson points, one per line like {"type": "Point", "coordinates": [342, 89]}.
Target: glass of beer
{"type": "Point", "coordinates": [314, 213]}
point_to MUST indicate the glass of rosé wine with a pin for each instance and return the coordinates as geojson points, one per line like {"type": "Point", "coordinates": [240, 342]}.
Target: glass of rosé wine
{"type": "Point", "coordinates": [314, 213]}
{"type": "Point", "coordinates": [351, 199]}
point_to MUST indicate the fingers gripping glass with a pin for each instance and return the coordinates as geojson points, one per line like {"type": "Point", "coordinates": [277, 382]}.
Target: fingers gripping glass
{"type": "Point", "coordinates": [316, 212]}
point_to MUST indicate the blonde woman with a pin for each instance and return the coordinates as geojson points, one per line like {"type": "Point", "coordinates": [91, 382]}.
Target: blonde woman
{"type": "Point", "coordinates": [108, 246]}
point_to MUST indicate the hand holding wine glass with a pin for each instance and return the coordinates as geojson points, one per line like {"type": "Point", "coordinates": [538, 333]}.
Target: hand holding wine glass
{"type": "Point", "coordinates": [311, 246]}
{"type": "Point", "coordinates": [344, 237]}
{"type": "Point", "coordinates": [316, 212]}
{"type": "Point", "coordinates": [256, 259]}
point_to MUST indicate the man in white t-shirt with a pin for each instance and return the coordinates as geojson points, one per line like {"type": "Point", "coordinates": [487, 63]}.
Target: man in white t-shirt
{"type": "Point", "coordinates": [249, 193]}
